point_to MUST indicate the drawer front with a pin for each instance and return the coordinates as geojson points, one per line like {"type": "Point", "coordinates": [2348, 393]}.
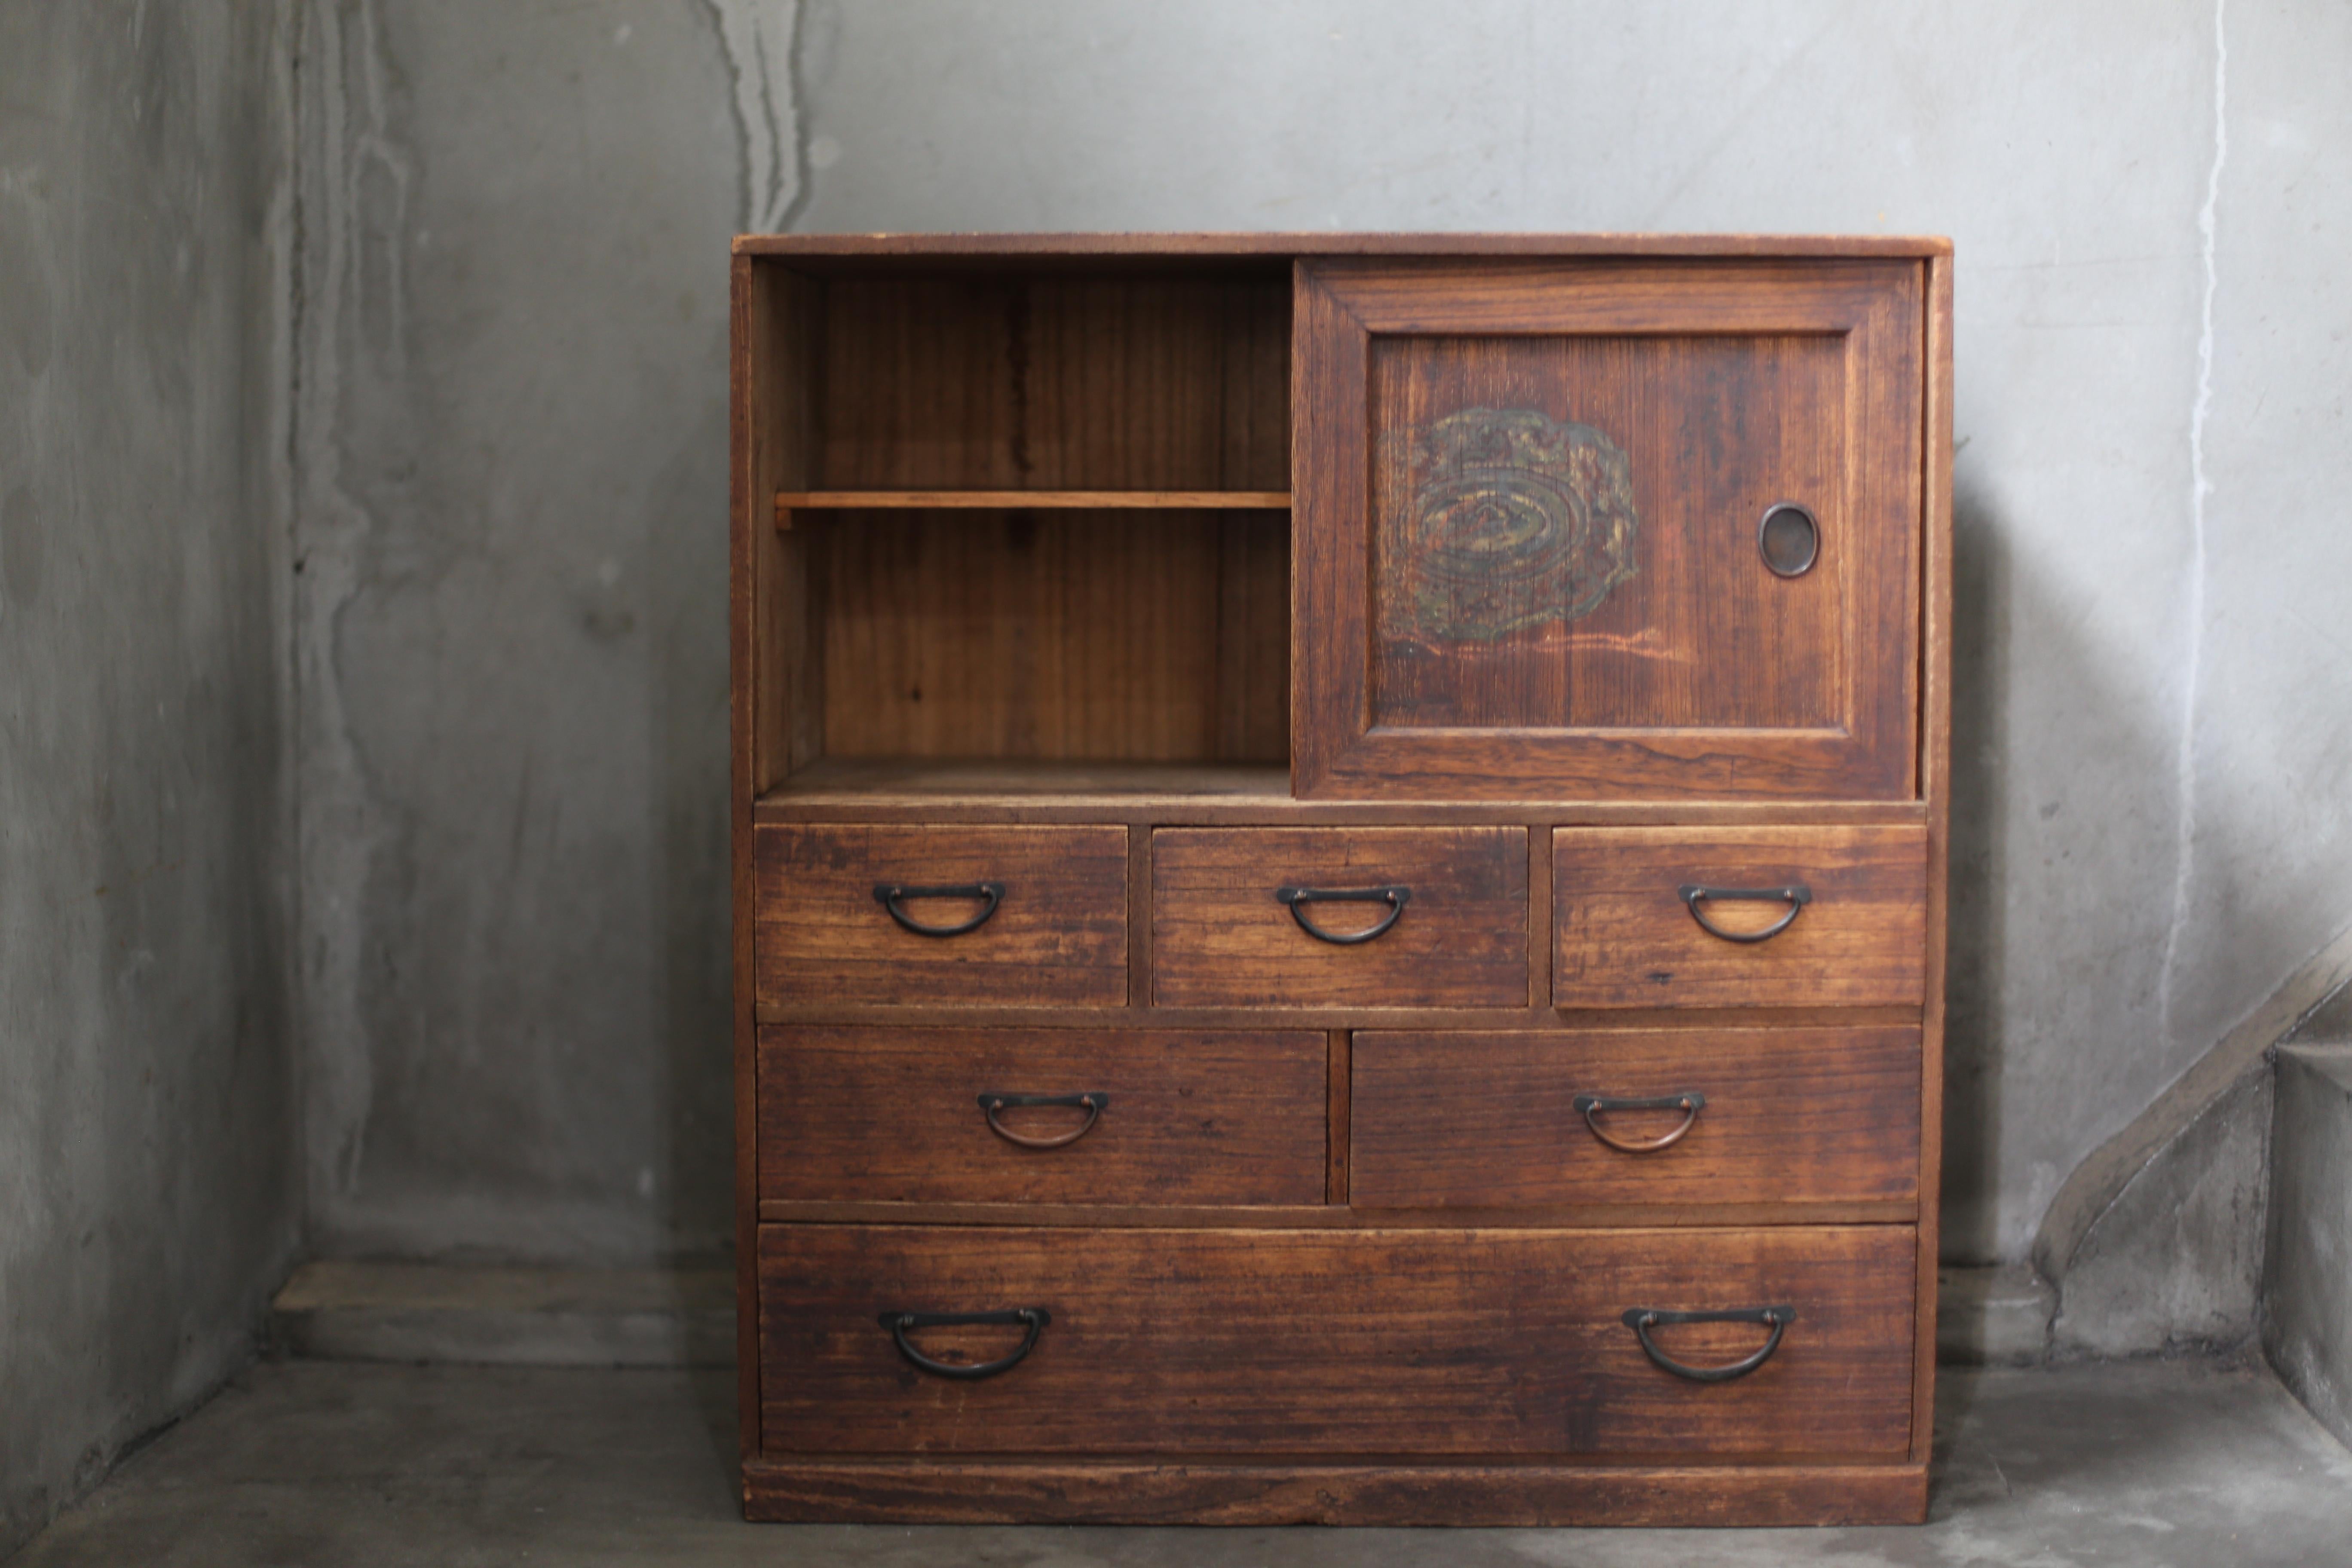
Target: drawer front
{"type": "Point", "coordinates": [1228, 929]}
{"type": "Point", "coordinates": [1752, 1116]}
{"type": "Point", "coordinates": [1645, 918]}
{"type": "Point", "coordinates": [897, 1115]}
{"type": "Point", "coordinates": [1370, 1342]}
{"type": "Point", "coordinates": [1056, 933]}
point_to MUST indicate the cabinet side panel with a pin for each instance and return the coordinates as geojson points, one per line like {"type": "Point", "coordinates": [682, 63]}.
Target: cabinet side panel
{"type": "Point", "coordinates": [1936, 780]}
{"type": "Point", "coordinates": [769, 679]}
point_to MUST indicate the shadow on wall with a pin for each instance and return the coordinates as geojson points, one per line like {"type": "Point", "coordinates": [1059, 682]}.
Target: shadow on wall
{"type": "Point", "coordinates": [2173, 1259]}
{"type": "Point", "coordinates": [1973, 1042]}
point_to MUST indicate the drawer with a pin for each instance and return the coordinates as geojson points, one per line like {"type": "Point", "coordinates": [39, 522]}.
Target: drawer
{"type": "Point", "coordinates": [1678, 917]}
{"type": "Point", "coordinates": [1229, 928]}
{"type": "Point", "coordinates": [897, 1115]}
{"type": "Point", "coordinates": [1757, 1116]}
{"type": "Point", "coordinates": [1323, 1342]}
{"type": "Point", "coordinates": [1052, 930]}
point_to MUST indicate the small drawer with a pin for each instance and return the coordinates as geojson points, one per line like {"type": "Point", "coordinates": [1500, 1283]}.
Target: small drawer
{"type": "Point", "coordinates": [1631, 1116]}
{"type": "Point", "coordinates": [1487, 1342]}
{"type": "Point", "coordinates": [1144, 1117]}
{"type": "Point", "coordinates": [921, 916]}
{"type": "Point", "coordinates": [1750, 917]}
{"type": "Point", "coordinates": [1367, 917]}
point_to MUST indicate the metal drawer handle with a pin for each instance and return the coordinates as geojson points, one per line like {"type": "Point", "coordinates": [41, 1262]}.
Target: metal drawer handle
{"type": "Point", "coordinates": [1641, 1320]}
{"type": "Point", "coordinates": [1092, 1101]}
{"type": "Point", "coordinates": [902, 1323]}
{"type": "Point", "coordinates": [1593, 1106]}
{"type": "Point", "coordinates": [887, 895]}
{"type": "Point", "coordinates": [1393, 896]}
{"type": "Point", "coordinates": [1797, 895]}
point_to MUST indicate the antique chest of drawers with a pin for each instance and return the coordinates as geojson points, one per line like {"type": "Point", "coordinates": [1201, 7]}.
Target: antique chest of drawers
{"type": "Point", "coordinates": [1339, 870]}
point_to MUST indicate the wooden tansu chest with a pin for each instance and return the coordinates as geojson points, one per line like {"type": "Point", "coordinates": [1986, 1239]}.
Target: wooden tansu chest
{"type": "Point", "coordinates": [1338, 871]}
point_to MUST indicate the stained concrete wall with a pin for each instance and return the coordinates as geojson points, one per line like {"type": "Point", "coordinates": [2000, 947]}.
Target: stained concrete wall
{"type": "Point", "coordinates": [510, 632]}
{"type": "Point", "coordinates": [148, 1188]}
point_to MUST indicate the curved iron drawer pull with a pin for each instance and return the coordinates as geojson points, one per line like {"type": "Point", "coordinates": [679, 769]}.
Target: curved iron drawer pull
{"type": "Point", "coordinates": [1297, 898]}
{"type": "Point", "coordinates": [887, 895]}
{"type": "Point", "coordinates": [991, 1103]}
{"type": "Point", "coordinates": [902, 1323]}
{"type": "Point", "coordinates": [1589, 1106]}
{"type": "Point", "coordinates": [1641, 1320]}
{"type": "Point", "coordinates": [1797, 895]}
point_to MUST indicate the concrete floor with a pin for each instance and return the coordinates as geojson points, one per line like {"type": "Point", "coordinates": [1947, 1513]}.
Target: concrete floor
{"type": "Point", "coordinates": [326, 1463]}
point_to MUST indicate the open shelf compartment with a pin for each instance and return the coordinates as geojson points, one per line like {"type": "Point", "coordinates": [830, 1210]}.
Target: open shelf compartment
{"type": "Point", "coordinates": [1018, 515]}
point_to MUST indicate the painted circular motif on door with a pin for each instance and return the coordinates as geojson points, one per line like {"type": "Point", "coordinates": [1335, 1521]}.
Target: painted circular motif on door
{"type": "Point", "coordinates": [1511, 520]}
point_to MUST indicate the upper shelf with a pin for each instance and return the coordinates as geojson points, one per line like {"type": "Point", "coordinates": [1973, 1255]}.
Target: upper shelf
{"type": "Point", "coordinates": [791, 501]}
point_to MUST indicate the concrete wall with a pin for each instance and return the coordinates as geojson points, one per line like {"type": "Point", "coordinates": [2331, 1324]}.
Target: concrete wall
{"type": "Point", "coordinates": [148, 1188]}
{"type": "Point", "coordinates": [510, 630]}
{"type": "Point", "coordinates": [509, 637]}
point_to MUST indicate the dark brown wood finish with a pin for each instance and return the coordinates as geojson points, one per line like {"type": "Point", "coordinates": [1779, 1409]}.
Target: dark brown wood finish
{"type": "Point", "coordinates": [1355, 1343]}
{"type": "Point", "coordinates": [1019, 380]}
{"type": "Point", "coordinates": [1138, 636]}
{"type": "Point", "coordinates": [1475, 1121]}
{"type": "Point", "coordinates": [1730, 388]}
{"type": "Point", "coordinates": [1339, 1105]}
{"type": "Point", "coordinates": [1625, 937]}
{"type": "Point", "coordinates": [1701, 634]}
{"type": "Point", "coordinates": [771, 676]}
{"type": "Point", "coordinates": [1197, 1118]}
{"type": "Point", "coordinates": [1058, 935]}
{"type": "Point", "coordinates": [1936, 771]}
{"type": "Point", "coordinates": [869, 254]}
{"type": "Point", "coordinates": [1337, 1216]}
{"type": "Point", "coordinates": [1277, 1491]}
{"type": "Point", "coordinates": [1220, 937]}
{"type": "Point", "coordinates": [1027, 790]}
{"type": "Point", "coordinates": [1011, 578]}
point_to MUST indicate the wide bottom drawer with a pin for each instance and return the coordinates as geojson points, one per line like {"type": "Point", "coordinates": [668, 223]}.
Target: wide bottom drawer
{"type": "Point", "coordinates": [1359, 1342]}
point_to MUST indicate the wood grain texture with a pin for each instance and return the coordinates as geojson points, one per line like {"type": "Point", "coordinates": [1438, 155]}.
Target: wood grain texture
{"type": "Point", "coordinates": [1025, 380]}
{"type": "Point", "coordinates": [1337, 1216]}
{"type": "Point", "coordinates": [1059, 935]}
{"type": "Point", "coordinates": [1936, 773]}
{"type": "Point", "coordinates": [789, 502]}
{"type": "Point", "coordinates": [1698, 363]}
{"type": "Point", "coordinates": [1220, 939]}
{"type": "Point", "coordinates": [1625, 938]}
{"type": "Point", "coordinates": [1012, 789]}
{"type": "Point", "coordinates": [1715, 430]}
{"type": "Point", "coordinates": [952, 1491]}
{"type": "Point", "coordinates": [1481, 1120]}
{"type": "Point", "coordinates": [1155, 637]}
{"type": "Point", "coordinates": [744, 784]}
{"type": "Point", "coordinates": [1198, 1118]}
{"type": "Point", "coordinates": [1308, 1342]}
{"type": "Point", "coordinates": [1338, 1104]}
{"type": "Point", "coordinates": [1151, 249]}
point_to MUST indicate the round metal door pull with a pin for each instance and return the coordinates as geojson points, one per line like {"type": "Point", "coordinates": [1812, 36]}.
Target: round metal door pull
{"type": "Point", "coordinates": [1591, 1106]}
{"type": "Point", "coordinates": [902, 1323]}
{"type": "Point", "coordinates": [1091, 1102]}
{"type": "Point", "coordinates": [1789, 537]}
{"type": "Point", "coordinates": [1641, 1320]}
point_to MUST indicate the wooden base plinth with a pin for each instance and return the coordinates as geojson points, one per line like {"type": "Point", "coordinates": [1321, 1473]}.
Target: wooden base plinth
{"type": "Point", "coordinates": [904, 1491]}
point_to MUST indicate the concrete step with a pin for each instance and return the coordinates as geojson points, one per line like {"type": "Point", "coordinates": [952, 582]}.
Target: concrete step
{"type": "Point", "coordinates": [2307, 1277]}
{"type": "Point", "coordinates": [1995, 1316]}
{"type": "Point", "coordinates": [340, 1310]}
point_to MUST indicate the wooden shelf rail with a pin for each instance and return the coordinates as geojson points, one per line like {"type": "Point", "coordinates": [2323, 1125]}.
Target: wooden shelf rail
{"type": "Point", "coordinates": [791, 501]}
